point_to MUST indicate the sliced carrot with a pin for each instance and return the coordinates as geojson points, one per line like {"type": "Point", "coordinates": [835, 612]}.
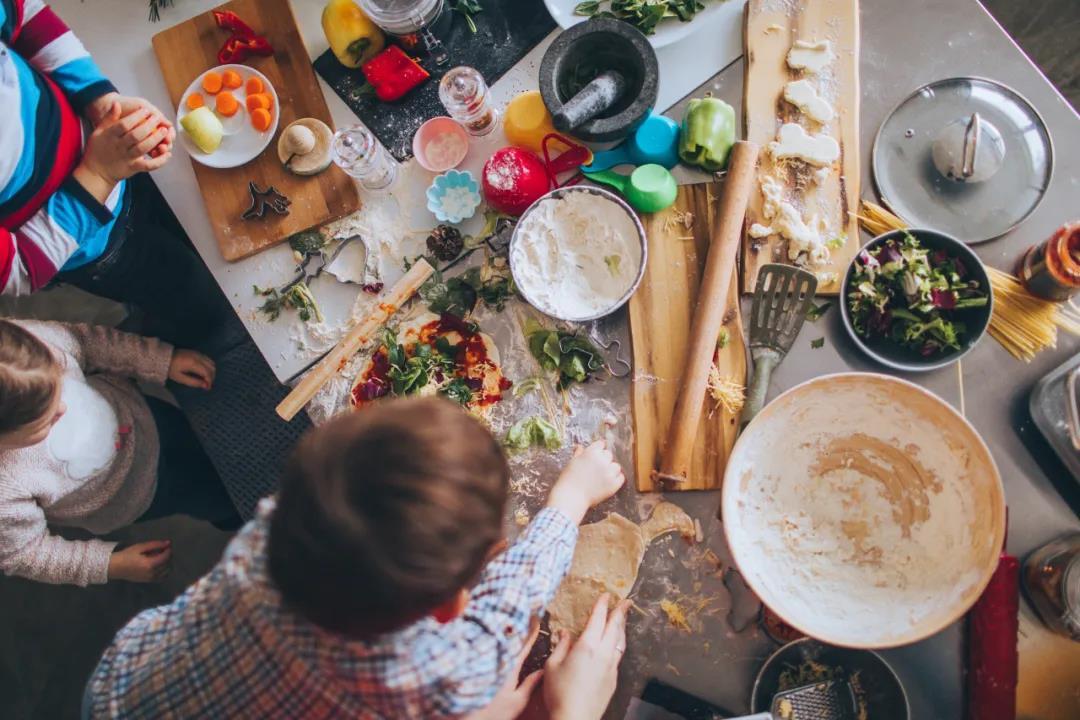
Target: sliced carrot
{"type": "Point", "coordinates": [260, 119]}
{"type": "Point", "coordinates": [194, 101]}
{"type": "Point", "coordinates": [211, 82]}
{"type": "Point", "coordinates": [231, 79]}
{"type": "Point", "coordinates": [227, 104]}
{"type": "Point", "coordinates": [257, 101]}
{"type": "Point", "coordinates": [254, 86]}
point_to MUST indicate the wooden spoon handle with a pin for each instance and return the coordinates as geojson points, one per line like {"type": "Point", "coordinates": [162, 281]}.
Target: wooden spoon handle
{"type": "Point", "coordinates": [678, 451]}
{"type": "Point", "coordinates": [354, 340]}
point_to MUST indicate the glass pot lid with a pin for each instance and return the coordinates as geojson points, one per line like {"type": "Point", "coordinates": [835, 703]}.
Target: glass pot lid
{"type": "Point", "coordinates": [965, 156]}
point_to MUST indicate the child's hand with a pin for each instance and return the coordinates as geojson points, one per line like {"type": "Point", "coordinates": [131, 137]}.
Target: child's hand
{"type": "Point", "coordinates": [512, 698]}
{"type": "Point", "coordinates": [119, 147]}
{"type": "Point", "coordinates": [580, 677]}
{"type": "Point", "coordinates": [192, 369]}
{"type": "Point", "coordinates": [141, 562]}
{"type": "Point", "coordinates": [590, 477]}
{"type": "Point", "coordinates": [97, 111]}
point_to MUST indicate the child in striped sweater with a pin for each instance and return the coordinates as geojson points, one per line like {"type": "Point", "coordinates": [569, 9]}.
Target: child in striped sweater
{"type": "Point", "coordinates": [75, 203]}
{"type": "Point", "coordinates": [81, 446]}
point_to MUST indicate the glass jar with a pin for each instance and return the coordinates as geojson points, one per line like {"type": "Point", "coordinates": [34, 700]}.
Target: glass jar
{"type": "Point", "coordinates": [1051, 269]}
{"type": "Point", "coordinates": [356, 151]}
{"type": "Point", "coordinates": [402, 17]}
{"type": "Point", "coordinates": [1051, 581]}
{"type": "Point", "coordinates": [465, 95]}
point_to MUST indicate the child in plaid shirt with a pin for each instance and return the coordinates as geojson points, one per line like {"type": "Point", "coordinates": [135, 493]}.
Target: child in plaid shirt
{"type": "Point", "coordinates": [348, 595]}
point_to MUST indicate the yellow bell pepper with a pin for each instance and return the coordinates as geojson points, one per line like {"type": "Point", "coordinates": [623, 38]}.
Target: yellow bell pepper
{"type": "Point", "coordinates": [353, 37]}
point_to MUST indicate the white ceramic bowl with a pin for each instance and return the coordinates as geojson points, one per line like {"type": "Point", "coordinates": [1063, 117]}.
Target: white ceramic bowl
{"type": "Point", "coordinates": [667, 32]}
{"type": "Point", "coordinates": [863, 510]}
{"type": "Point", "coordinates": [242, 142]}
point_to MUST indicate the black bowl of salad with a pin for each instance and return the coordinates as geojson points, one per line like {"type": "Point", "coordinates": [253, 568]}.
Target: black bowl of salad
{"type": "Point", "coordinates": [916, 299]}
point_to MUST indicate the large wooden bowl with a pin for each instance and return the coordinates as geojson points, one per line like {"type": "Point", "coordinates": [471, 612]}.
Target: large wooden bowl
{"type": "Point", "coordinates": [863, 510]}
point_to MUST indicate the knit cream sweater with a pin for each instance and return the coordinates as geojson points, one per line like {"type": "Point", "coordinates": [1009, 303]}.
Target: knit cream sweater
{"type": "Point", "coordinates": [96, 470]}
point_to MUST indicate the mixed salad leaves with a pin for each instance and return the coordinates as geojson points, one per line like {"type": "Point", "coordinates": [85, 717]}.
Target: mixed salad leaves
{"type": "Point", "coordinates": [912, 295]}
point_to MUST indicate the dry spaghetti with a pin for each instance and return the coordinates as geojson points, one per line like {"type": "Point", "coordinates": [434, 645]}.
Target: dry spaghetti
{"type": "Point", "coordinates": [1022, 323]}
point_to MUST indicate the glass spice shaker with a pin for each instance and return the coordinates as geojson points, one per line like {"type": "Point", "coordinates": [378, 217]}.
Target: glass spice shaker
{"type": "Point", "coordinates": [402, 17]}
{"type": "Point", "coordinates": [1051, 581]}
{"type": "Point", "coordinates": [466, 97]}
{"type": "Point", "coordinates": [356, 151]}
{"type": "Point", "coordinates": [1051, 269]}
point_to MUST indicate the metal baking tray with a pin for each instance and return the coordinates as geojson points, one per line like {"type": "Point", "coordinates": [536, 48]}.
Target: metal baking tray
{"type": "Point", "coordinates": [1056, 412]}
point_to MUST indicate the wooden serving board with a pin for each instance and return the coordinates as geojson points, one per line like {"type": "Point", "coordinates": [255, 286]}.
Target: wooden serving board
{"type": "Point", "coordinates": [189, 49]}
{"type": "Point", "coordinates": [660, 315]}
{"type": "Point", "coordinates": [771, 27]}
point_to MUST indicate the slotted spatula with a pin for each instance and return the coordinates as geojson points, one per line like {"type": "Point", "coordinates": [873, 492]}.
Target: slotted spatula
{"type": "Point", "coordinates": [782, 297]}
{"type": "Point", "coordinates": [832, 700]}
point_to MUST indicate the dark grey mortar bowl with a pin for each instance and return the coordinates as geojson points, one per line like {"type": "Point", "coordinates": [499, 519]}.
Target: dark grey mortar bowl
{"type": "Point", "coordinates": [601, 44]}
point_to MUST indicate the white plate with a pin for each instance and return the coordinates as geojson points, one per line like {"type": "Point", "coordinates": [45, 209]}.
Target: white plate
{"type": "Point", "coordinates": [667, 31]}
{"type": "Point", "coordinates": [242, 142]}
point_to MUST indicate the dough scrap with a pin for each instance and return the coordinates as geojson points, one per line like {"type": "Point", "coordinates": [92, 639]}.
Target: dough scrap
{"type": "Point", "coordinates": [606, 559]}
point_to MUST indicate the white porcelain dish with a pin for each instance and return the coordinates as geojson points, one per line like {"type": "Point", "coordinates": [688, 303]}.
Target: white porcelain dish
{"type": "Point", "coordinates": [864, 510]}
{"type": "Point", "coordinates": [668, 31]}
{"type": "Point", "coordinates": [242, 142]}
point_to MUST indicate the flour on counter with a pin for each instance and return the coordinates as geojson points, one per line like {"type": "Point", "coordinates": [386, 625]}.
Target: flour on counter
{"type": "Point", "coordinates": [563, 250]}
{"type": "Point", "coordinates": [803, 235]}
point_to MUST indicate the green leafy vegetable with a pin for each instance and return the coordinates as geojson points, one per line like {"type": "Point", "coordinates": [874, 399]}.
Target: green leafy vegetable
{"type": "Point", "coordinates": [837, 242]}
{"type": "Point", "coordinates": [817, 311]}
{"type": "Point", "coordinates": [526, 386]}
{"type": "Point", "coordinates": [532, 432]}
{"type": "Point", "coordinates": [308, 242]}
{"type": "Point", "coordinates": [298, 297]}
{"type": "Point", "coordinates": [916, 297]}
{"type": "Point", "coordinates": [458, 391]}
{"type": "Point", "coordinates": [817, 344]}
{"type": "Point", "coordinates": [723, 339]}
{"type": "Point", "coordinates": [573, 356]}
{"type": "Point", "coordinates": [467, 8]}
{"type": "Point", "coordinates": [645, 15]}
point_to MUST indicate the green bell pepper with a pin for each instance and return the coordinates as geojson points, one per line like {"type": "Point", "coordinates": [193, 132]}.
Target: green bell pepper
{"type": "Point", "coordinates": [708, 132]}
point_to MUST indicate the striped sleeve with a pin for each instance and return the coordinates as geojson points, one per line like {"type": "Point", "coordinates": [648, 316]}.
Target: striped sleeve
{"type": "Point", "coordinates": [71, 222]}
{"type": "Point", "coordinates": [51, 47]}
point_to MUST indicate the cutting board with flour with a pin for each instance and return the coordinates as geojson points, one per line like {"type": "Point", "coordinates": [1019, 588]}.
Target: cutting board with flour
{"type": "Point", "coordinates": [190, 48]}
{"type": "Point", "coordinates": [660, 315]}
{"type": "Point", "coordinates": [771, 28]}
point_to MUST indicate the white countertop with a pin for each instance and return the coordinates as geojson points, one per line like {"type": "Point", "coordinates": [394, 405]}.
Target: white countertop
{"type": "Point", "coordinates": [118, 35]}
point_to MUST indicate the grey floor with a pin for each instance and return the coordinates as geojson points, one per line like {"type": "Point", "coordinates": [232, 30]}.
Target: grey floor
{"type": "Point", "coordinates": [50, 637]}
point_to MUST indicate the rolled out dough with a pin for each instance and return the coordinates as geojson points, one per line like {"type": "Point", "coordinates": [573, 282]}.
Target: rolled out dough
{"type": "Point", "coordinates": [606, 559]}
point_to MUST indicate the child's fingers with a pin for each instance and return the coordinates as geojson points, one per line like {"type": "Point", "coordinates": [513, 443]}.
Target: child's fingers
{"type": "Point", "coordinates": [594, 630]}
{"type": "Point", "coordinates": [144, 164]}
{"type": "Point", "coordinates": [161, 559]}
{"type": "Point", "coordinates": [148, 143]}
{"type": "Point", "coordinates": [534, 632]}
{"type": "Point", "coordinates": [528, 686]}
{"type": "Point", "coordinates": [560, 651]}
{"type": "Point", "coordinates": [131, 121]}
{"type": "Point", "coordinates": [151, 546]}
{"type": "Point", "coordinates": [615, 632]}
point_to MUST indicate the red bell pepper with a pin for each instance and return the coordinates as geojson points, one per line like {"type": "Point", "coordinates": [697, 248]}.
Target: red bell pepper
{"type": "Point", "coordinates": [228, 20]}
{"type": "Point", "coordinates": [237, 49]}
{"type": "Point", "coordinates": [393, 74]}
{"type": "Point", "coordinates": [244, 42]}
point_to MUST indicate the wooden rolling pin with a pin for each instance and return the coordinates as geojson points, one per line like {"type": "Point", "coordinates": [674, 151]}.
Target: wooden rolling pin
{"type": "Point", "coordinates": [709, 314]}
{"type": "Point", "coordinates": [351, 343]}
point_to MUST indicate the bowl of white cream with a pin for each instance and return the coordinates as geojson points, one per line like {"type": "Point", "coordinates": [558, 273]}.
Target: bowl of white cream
{"type": "Point", "coordinates": [578, 253]}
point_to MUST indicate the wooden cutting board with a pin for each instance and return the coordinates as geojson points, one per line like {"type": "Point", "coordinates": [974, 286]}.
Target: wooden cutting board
{"type": "Point", "coordinates": [770, 29]}
{"type": "Point", "coordinates": [190, 48]}
{"type": "Point", "coordinates": [660, 315]}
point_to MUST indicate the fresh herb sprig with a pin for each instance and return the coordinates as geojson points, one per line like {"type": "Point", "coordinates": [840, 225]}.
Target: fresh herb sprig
{"type": "Point", "coordinates": [468, 9]}
{"type": "Point", "coordinates": [155, 8]}
{"type": "Point", "coordinates": [298, 297]}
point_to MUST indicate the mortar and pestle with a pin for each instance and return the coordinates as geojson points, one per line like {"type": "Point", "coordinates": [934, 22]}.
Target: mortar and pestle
{"type": "Point", "coordinates": [599, 80]}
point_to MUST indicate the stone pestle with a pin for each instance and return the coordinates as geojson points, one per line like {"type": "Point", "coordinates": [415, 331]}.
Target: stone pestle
{"type": "Point", "coordinates": [591, 101]}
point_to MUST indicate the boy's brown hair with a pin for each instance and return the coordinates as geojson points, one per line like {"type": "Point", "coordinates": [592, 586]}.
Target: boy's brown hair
{"type": "Point", "coordinates": [29, 377]}
{"type": "Point", "coordinates": [385, 514]}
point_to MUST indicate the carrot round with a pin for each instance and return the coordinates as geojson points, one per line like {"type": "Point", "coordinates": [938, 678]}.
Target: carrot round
{"type": "Point", "coordinates": [195, 100]}
{"type": "Point", "coordinates": [211, 82]}
{"type": "Point", "coordinates": [260, 119]}
{"type": "Point", "coordinates": [227, 104]}
{"type": "Point", "coordinates": [231, 79]}
{"type": "Point", "coordinates": [254, 86]}
{"type": "Point", "coordinates": [258, 101]}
